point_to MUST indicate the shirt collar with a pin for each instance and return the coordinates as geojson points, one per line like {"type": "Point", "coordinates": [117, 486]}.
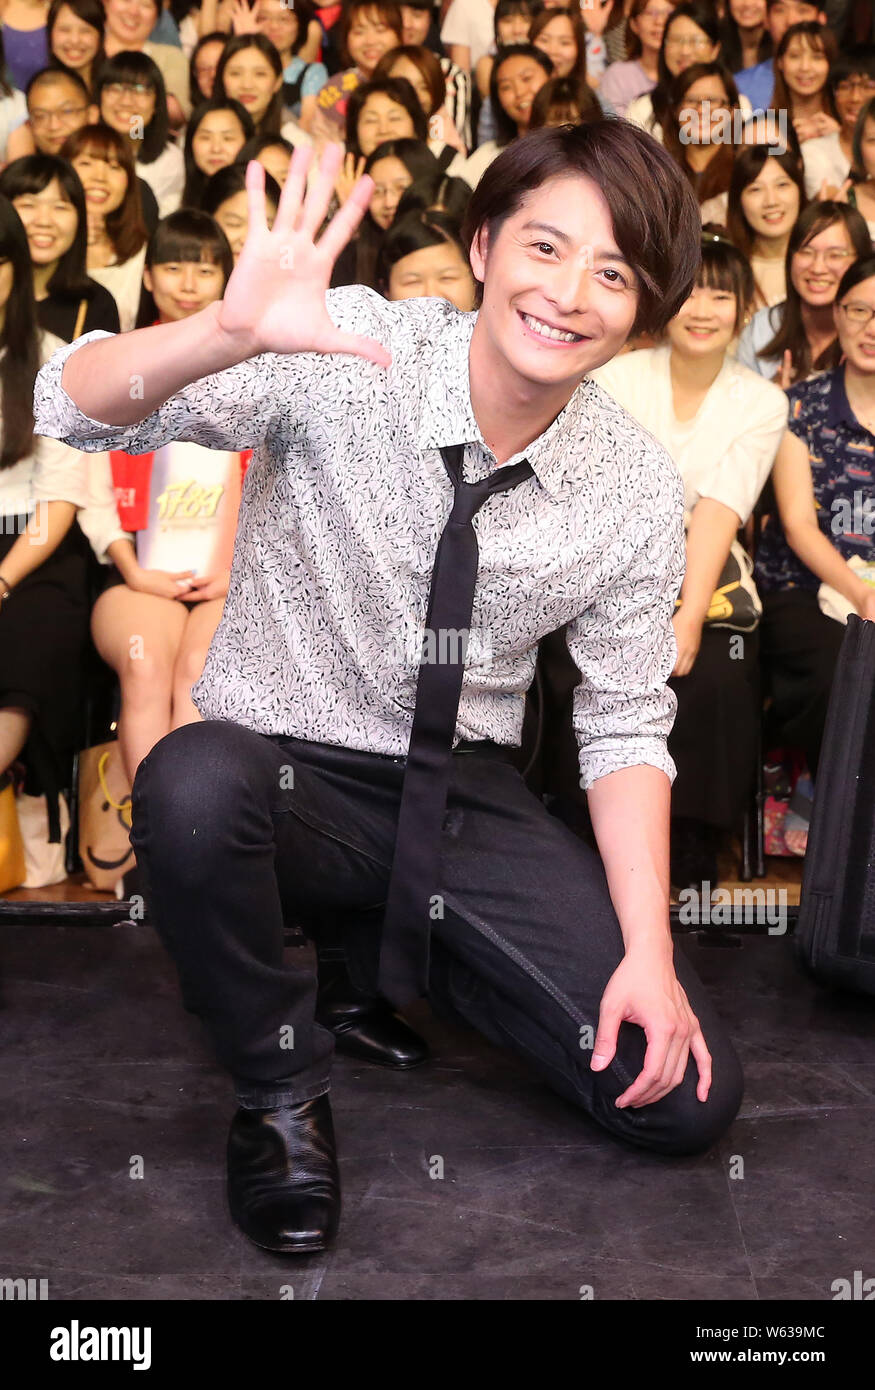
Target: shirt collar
{"type": "Point", "coordinates": [447, 416]}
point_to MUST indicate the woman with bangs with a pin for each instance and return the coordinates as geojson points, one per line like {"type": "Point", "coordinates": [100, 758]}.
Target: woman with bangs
{"type": "Point", "coordinates": [130, 94]}
{"type": "Point", "coordinates": [178, 507]}
{"type": "Point", "coordinates": [47, 195]}
{"type": "Point", "coordinates": [766, 195]}
{"type": "Point", "coordinates": [703, 123]}
{"type": "Point", "coordinates": [367, 30]}
{"type": "Point", "coordinates": [214, 137]}
{"type": "Point", "coordinates": [117, 233]}
{"type": "Point", "coordinates": [422, 255]}
{"type": "Point", "coordinates": [794, 340]}
{"type": "Point", "coordinates": [722, 425]}
{"type": "Point", "coordinates": [386, 108]}
{"type": "Point", "coordinates": [75, 31]}
{"type": "Point", "coordinates": [225, 199]}
{"type": "Point", "coordinates": [564, 101]}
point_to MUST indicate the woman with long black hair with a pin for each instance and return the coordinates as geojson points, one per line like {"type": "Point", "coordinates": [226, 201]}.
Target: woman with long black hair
{"type": "Point", "coordinates": [129, 91]}
{"type": "Point", "coordinates": [48, 196]}
{"type": "Point", "coordinates": [702, 132]}
{"type": "Point", "coordinates": [250, 71]}
{"type": "Point", "coordinates": [43, 557]}
{"type": "Point", "coordinates": [518, 74]}
{"type": "Point", "coordinates": [214, 137]}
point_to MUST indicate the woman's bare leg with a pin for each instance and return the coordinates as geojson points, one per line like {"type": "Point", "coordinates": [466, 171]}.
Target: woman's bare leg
{"type": "Point", "coordinates": [202, 623]}
{"type": "Point", "coordinates": [14, 728]}
{"type": "Point", "coordinates": [139, 636]}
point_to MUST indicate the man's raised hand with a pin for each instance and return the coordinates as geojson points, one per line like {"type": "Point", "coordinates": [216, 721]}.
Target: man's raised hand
{"type": "Point", "coordinates": [275, 299]}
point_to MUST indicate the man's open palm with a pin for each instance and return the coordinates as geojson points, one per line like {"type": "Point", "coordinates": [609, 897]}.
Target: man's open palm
{"type": "Point", "coordinates": [275, 299]}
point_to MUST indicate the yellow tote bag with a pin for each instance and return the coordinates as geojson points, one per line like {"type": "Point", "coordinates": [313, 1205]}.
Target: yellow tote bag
{"type": "Point", "coordinates": [13, 870]}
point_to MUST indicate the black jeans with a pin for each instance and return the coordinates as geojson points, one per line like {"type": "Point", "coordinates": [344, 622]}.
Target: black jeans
{"type": "Point", "coordinates": [237, 833]}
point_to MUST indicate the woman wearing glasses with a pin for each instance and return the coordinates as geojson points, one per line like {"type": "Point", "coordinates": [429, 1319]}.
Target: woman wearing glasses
{"type": "Point", "coordinates": [623, 82]}
{"type": "Point", "coordinates": [829, 157]}
{"type": "Point", "coordinates": [798, 337]}
{"type": "Point", "coordinates": [129, 91]}
{"type": "Point", "coordinates": [824, 481]}
{"type": "Point", "coordinates": [702, 132]}
{"type": "Point", "coordinates": [691, 35]}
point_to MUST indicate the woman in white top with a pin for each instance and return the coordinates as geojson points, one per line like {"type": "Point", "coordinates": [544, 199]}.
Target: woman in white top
{"type": "Point", "coordinates": [766, 194]}
{"type": "Point", "coordinates": [828, 156]}
{"type": "Point", "coordinates": [43, 556]}
{"type": "Point", "coordinates": [168, 588]}
{"type": "Point", "coordinates": [722, 425]}
{"type": "Point", "coordinates": [116, 230]}
{"type": "Point", "coordinates": [129, 91]}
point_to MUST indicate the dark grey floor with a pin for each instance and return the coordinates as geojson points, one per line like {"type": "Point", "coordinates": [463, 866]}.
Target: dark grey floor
{"type": "Point", "coordinates": [100, 1065]}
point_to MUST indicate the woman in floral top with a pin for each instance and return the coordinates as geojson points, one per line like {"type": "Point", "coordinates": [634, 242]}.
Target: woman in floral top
{"type": "Point", "coordinates": [824, 480]}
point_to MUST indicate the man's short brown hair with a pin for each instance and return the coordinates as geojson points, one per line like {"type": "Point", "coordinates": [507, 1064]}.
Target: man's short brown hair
{"type": "Point", "coordinates": [654, 211]}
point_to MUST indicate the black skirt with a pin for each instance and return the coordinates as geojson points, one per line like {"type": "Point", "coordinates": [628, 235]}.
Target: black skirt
{"type": "Point", "coordinates": [43, 639]}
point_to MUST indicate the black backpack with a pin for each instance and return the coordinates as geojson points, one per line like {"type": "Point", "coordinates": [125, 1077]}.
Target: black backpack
{"type": "Point", "coordinates": [835, 933]}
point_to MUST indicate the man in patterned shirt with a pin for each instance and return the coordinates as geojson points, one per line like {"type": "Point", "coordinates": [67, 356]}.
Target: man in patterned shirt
{"type": "Point", "coordinates": [284, 801]}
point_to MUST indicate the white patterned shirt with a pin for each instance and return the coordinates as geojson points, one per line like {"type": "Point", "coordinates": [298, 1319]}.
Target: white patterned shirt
{"type": "Point", "coordinates": [343, 505]}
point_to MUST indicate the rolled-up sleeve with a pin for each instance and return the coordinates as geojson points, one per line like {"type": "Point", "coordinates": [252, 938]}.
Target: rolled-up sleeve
{"type": "Point", "coordinates": [233, 409]}
{"type": "Point", "coordinates": [624, 647]}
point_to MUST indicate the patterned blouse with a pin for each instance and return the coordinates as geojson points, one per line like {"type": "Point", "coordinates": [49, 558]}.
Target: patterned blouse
{"type": "Point", "coordinates": [842, 454]}
{"type": "Point", "coordinates": [343, 504]}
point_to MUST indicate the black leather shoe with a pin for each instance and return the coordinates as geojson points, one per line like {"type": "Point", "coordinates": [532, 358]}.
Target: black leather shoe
{"type": "Point", "coordinates": [371, 1031]}
{"type": "Point", "coordinates": [364, 1025]}
{"type": "Point", "coordinates": [283, 1181]}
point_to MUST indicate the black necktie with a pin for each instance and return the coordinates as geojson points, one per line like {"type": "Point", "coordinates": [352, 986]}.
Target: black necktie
{"type": "Point", "coordinates": [404, 954]}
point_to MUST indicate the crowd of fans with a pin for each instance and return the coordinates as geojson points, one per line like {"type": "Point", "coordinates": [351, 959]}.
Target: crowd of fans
{"type": "Point", "coordinates": [125, 131]}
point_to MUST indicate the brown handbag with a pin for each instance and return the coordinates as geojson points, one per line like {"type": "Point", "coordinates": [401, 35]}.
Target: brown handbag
{"type": "Point", "coordinates": [104, 815]}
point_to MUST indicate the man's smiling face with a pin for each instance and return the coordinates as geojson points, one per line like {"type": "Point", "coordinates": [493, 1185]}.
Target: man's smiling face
{"type": "Point", "coordinates": [559, 299]}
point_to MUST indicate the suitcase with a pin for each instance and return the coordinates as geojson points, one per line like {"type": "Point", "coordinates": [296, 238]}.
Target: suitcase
{"type": "Point", "coordinates": [835, 933]}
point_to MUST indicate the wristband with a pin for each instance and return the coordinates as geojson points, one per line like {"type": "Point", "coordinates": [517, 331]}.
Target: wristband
{"type": "Point", "coordinates": [5, 590]}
